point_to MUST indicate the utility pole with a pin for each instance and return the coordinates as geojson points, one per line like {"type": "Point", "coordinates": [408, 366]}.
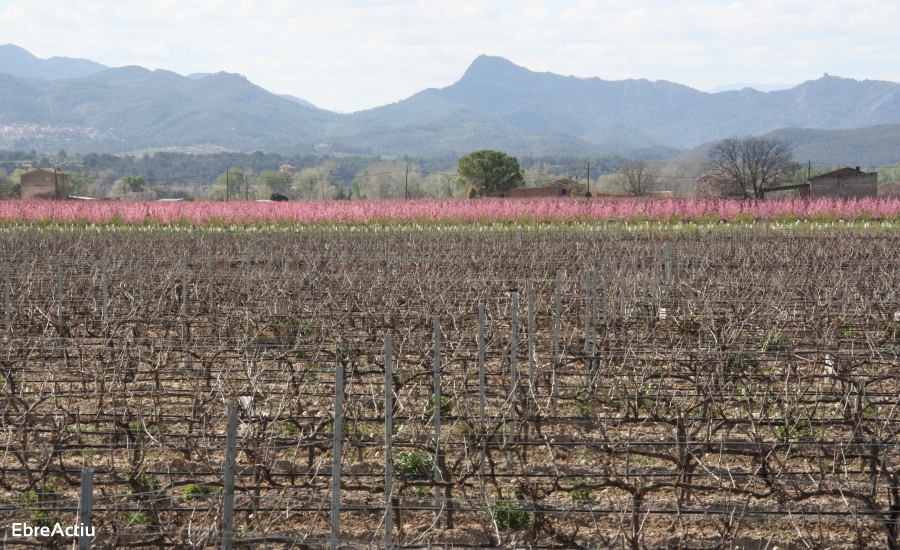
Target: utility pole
{"type": "Point", "coordinates": [406, 185]}
{"type": "Point", "coordinates": [808, 169]}
{"type": "Point", "coordinates": [589, 178]}
{"type": "Point", "coordinates": [227, 184]}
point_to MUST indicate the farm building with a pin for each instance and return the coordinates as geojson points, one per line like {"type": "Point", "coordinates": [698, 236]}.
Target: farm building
{"type": "Point", "coordinates": [710, 186]}
{"type": "Point", "coordinates": [889, 189]}
{"type": "Point", "coordinates": [848, 183]}
{"type": "Point", "coordinates": [45, 183]}
{"type": "Point", "coordinates": [563, 187]}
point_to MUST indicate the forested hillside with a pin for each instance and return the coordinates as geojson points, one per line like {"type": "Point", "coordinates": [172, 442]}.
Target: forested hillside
{"type": "Point", "coordinates": [872, 146]}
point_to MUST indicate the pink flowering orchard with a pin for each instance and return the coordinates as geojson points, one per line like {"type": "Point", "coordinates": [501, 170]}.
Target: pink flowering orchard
{"type": "Point", "coordinates": [440, 211]}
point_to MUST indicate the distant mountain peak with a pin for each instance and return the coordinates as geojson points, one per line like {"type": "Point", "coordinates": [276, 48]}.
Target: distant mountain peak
{"type": "Point", "coordinates": [16, 50]}
{"type": "Point", "coordinates": [492, 67]}
{"type": "Point", "coordinates": [492, 61]}
{"type": "Point", "coordinates": [737, 86]}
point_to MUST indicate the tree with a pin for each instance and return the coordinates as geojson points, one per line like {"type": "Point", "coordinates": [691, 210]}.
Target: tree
{"type": "Point", "coordinates": [161, 192]}
{"type": "Point", "coordinates": [6, 186]}
{"type": "Point", "coordinates": [485, 171]}
{"type": "Point", "coordinates": [358, 185]}
{"type": "Point", "coordinates": [80, 184]}
{"type": "Point", "coordinates": [135, 184]}
{"type": "Point", "coordinates": [751, 165]}
{"type": "Point", "coordinates": [271, 183]}
{"type": "Point", "coordinates": [229, 185]}
{"type": "Point", "coordinates": [16, 176]}
{"type": "Point", "coordinates": [388, 180]}
{"type": "Point", "coordinates": [103, 183]}
{"type": "Point", "coordinates": [317, 183]}
{"type": "Point", "coordinates": [637, 178]}
{"type": "Point", "coordinates": [540, 173]}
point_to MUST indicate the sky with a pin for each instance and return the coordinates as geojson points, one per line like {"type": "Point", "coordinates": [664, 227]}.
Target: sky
{"type": "Point", "coordinates": [351, 55]}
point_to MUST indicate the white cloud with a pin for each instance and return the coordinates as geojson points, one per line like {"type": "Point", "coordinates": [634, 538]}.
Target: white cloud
{"type": "Point", "coordinates": [354, 55]}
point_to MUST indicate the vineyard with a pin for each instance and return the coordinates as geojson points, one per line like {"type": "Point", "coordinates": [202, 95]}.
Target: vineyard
{"type": "Point", "coordinates": [538, 389]}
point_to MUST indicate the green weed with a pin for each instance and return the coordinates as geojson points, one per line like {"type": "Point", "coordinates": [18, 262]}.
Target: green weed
{"type": "Point", "coordinates": [446, 406]}
{"type": "Point", "coordinates": [415, 463]}
{"type": "Point", "coordinates": [800, 429]}
{"type": "Point", "coordinates": [191, 492]}
{"type": "Point", "coordinates": [771, 341]}
{"type": "Point", "coordinates": [688, 326]}
{"type": "Point", "coordinates": [845, 330]}
{"type": "Point", "coordinates": [136, 518]}
{"type": "Point", "coordinates": [583, 494]}
{"type": "Point", "coordinates": [289, 428]}
{"type": "Point", "coordinates": [509, 515]}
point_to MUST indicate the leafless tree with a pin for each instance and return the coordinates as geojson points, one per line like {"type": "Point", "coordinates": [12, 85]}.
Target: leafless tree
{"type": "Point", "coordinates": [6, 186]}
{"type": "Point", "coordinates": [638, 178]}
{"type": "Point", "coordinates": [752, 164]}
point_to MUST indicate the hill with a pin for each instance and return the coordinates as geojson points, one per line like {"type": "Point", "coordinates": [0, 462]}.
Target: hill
{"type": "Point", "coordinates": [21, 63]}
{"type": "Point", "coordinates": [872, 146]}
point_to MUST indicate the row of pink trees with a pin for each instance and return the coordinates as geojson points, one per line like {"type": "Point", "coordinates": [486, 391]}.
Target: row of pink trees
{"type": "Point", "coordinates": [442, 211]}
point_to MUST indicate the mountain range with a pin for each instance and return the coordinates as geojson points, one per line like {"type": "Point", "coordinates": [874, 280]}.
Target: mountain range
{"type": "Point", "coordinates": [81, 105]}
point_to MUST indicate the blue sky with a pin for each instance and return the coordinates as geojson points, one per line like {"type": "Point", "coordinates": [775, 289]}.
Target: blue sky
{"type": "Point", "coordinates": [352, 55]}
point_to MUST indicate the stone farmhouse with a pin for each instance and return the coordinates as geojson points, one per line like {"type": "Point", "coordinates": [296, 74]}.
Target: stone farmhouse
{"type": "Point", "coordinates": [45, 183]}
{"type": "Point", "coordinates": [710, 186]}
{"type": "Point", "coordinates": [563, 187]}
{"type": "Point", "coordinates": [846, 183]}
